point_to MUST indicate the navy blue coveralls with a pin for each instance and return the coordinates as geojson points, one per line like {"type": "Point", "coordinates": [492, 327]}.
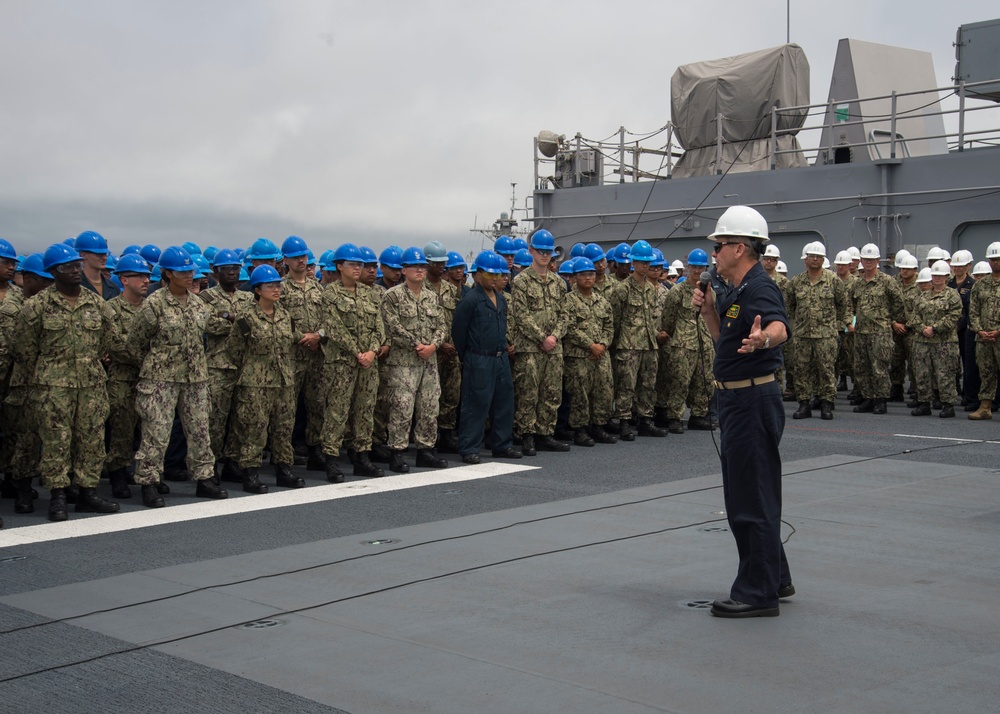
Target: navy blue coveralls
{"type": "Point", "coordinates": [751, 420]}
{"type": "Point", "coordinates": [480, 333]}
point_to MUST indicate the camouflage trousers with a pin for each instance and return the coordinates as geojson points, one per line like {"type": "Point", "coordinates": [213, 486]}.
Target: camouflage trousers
{"type": "Point", "coordinates": [224, 440]}
{"type": "Point", "coordinates": [450, 374]}
{"type": "Point", "coordinates": [121, 425]}
{"type": "Point", "coordinates": [815, 370]}
{"type": "Point", "coordinates": [308, 382]}
{"type": "Point", "coordinates": [688, 380]}
{"type": "Point", "coordinates": [538, 383]}
{"type": "Point", "coordinates": [591, 390]}
{"type": "Point", "coordinates": [22, 433]}
{"type": "Point", "coordinates": [934, 368]}
{"type": "Point", "coordinates": [635, 382]}
{"type": "Point", "coordinates": [902, 358]}
{"type": "Point", "coordinates": [988, 361]}
{"type": "Point", "coordinates": [350, 401]}
{"type": "Point", "coordinates": [414, 397]}
{"type": "Point", "coordinates": [71, 428]}
{"type": "Point", "coordinates": [786, 373]}
{"type": "Point", "coordinates": [845, 354]}
{"type": "Point", "coordinates": [872, 354]}
{"type": "Point", "coordinates": [155, 403]}
{"type": "Point", "coordinates": [263, 413]}
{"type": "Point", "coordinates": [380, 419]}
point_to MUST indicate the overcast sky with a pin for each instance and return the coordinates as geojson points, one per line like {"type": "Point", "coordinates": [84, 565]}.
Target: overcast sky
{"type": "Point", "coordinates": [378, 122]}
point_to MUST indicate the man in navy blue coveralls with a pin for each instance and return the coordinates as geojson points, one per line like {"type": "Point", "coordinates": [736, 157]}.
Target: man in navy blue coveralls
{"type": "Point", "coordinates": [748, 323]}
{"type": "Point", "coordinates": [479, 329]}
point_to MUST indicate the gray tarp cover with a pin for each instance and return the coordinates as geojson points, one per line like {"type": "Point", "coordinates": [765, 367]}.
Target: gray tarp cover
{"type": "Point", "coordinates": [743, 89]}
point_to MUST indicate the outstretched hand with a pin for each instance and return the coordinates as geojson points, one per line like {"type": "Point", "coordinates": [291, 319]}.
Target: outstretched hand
{"type": "Point", "coordinates": [755, 340]}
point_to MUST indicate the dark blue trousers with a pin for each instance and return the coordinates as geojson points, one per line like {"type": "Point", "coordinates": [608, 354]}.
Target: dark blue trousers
{"type": "Point", "coordinates": [487, 391]}
{"type": "Point", "coordinates": [752, 420]}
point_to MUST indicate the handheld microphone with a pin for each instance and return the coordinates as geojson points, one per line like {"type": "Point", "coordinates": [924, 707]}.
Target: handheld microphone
{"type": "Point", "coordinates": [703, 284]}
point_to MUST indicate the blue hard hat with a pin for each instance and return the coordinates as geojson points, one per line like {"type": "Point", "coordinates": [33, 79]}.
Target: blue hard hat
{"type": "Point", "coordinates": [117, 282]}
{"type": "Point", "coordinates": [622, 253]}
{"type": "Point", "coordinates": [435, 252]}
{"type": "Point", "coordinates": [583, 264]}
{"type": "Point", "coordinates": [210, 252]}
{"type": "Point", "coordinates": [177, 259]}
{"type": "Point", "coordinates": [244, 275]}
{"type": "Point", "coordinates": [520, 244]}
{"type": "Point", "coordinates": [504, 245]}
{"type": "Point", "coordinates": [489, 261]}
{"type": "Point", "coordinates": [130, 249]}
{"type": "Point", "coordinates": [311, 258]}
{"type": "Point", "coordinates": [132, 263]}
{"type": "Point", "coordinates": [91, 242]}
{"type": "Point", "coordinates": [567, 268]}
{"type": "Point", "coordinates": [697, 257]}
{"type": "Point", "coordinates": [455, 259]}
{"type": "Point", "coordinates": [71, 242]}
{"type": "Point", "coordinates": [593, 252]}
{"type": "Point", "coordinates": [192, 249]}
{"type": "Point", "coordinates": [35, 265]}
{"type": "Point", "coordinates": [294, 247]}
{"type": "Point", "coordinates": [326, 260]}
{"type": "Point", "coordinates": [543, 240]}
{"type": "Point", "coordinates": [263, 249]}
{"type": "Point", "coordinates": [642, 251]}
{"type": "Point", "coordinates": [577, 250]}
{"type": "Point", "coordinates": [151, 253]}
{"type": "Point", "coordinates": [20, 262]}
{"type": "Point", "coordinates": [368, 256]}
{"type": "Point", "coordinates": [156, 275]}
{"type": "Point", "coordinates": [610, 255]}
{"type": "Point", "coordinates": [391, 256]}
{"type": "Point", "coordinates": [346, 251]}
{"type": "Point", "coordinates": [204, 267]}
{"type": "Point", "coordinates": [522, 258]}
{"type": "Point", "coordinates": [240, 253]}
{"type": "Point", "coordinates": [110, 262]}
{"type": "Point", "coordinates": [264, 274]}
{"type": "Point", "coordinates": [58, 254]}
{"type": "Point", "coordinates": [378, 273]}
{"type": "Point", "coordinates": [413, 256]}
{"type": "Point", "coordinates": [7, 250]}
{"type": "Point", "coordinates": [226, 257]}
{"type": "Point", "coordinates": [658, 259]}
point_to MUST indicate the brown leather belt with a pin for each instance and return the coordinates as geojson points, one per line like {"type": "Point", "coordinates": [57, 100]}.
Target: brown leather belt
{"type": "Point", "coordinates": [740, 384]}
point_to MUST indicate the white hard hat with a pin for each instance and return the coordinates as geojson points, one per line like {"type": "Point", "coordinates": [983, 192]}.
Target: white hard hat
{"type": "Point", "coordinates": [843, 258]}
{"type": "Point", "coordinates": [781, 267]}
{"type": "Point", "coordinates": [815, 248]}
{"type": "Point", "coordinates": [940, 268]}
{"type": "Point", "coordinates": [981, 268]}
{"type": "Point", "coordinates": [935, 253]}
{"type": "Point", "coordinates": [855, 253]}
{"type": "Point", "coordinates": [902, 252]}
{"type": "Point", "coordinates": [907, 261]}
{"type": "Point", "coordinates": [924, 276]}
{"type": "Point", "coordinates": [677, 265]}
{"type": "Point", "coordinates": [826, 263]}
{"type": "Point", "coordinates": [741, 221]}
{"type": "Point", "coordinates": [771, 251]}
{"type": "Point", "coordinates": [870, 250]}
{"type": "Point", "coordinates": [993, 250]}
{"type": "Point", "coordinates": [947, 255]}
{"type": "Point", "coordinates": [961, 257]}
{"type": "Point", "coordinates": [672, 272]}
{"type": "Point", "coordinates": [804, 254]}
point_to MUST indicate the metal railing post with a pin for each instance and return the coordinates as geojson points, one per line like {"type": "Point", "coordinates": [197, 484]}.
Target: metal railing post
{"type": "Point", "coordinates": [718, 144]}
{"type": "Point", "coordinates": [621, 154]}
{"type": "Point", "coordinates": [892, 128]}
{"type": "Point", "coordinates": [830, 112]}
{"type": "Point", "coordinates": [537, 185]}
{"type": "Point", "coordinates": [774, 137]}
{"type": "Point", "coordinates": [961, 115]}
{"type": "Point", "coordinates": [576, 160]}
{"type": "Point", "coordinates": [670, 150]}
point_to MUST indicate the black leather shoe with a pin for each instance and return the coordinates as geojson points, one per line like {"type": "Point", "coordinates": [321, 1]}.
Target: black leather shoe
{"type": "Point", "coordinates": [429, 459]}
{"type": "Point", "coordinates": [913, 403]}
{"type": "Point", "coordinates": [471, 459]}
{"type": "Point", "coordinates": [923, 409]}
{"type": "Point", "coordinates": [57, 505]}
{"type": "Point", "coordinates": [547, 443]}
{"type": "Point", "coordinates": [880, 407]}
{"type": "Point", "coordinates": [119, 483]}
{"type": "Point", "coordinates": [333, 472]}
{"type": "Point", "coordinates": [612, 428]}
{"type": "Point", "coordinates": [89, 502]}
{"type": "Point", "coordinates": [627, 433]}
{"type": "Point", "coordinates": [698, 423]}
{"type": "Point", "coordinates": [380, 454]}
{"type": "Point", "coordinates": [786, 590]}
{"type": "Point", "coordinates": [675, 426]}
{"type": "Point", "coordinates": [648, 428]}
{"type": "Point", "coordinates": [364, 467]}
{"type": "Point", "coordinates": [826, 410]}
{"type": "Point", "coordinates": [150, 498]}
{"type": "Point", "coordinates": [251, 482]}
{"type": "Point", "coordinates": [600, 435]}
{"type": "Point", "coordinates": [509, 453]}
{"type": "Point", "coordinates": [867, 406]}
{"type": "Point", "coordinates": [735, 608]}
{"type": "Point", "coordinates": [286, 479]}
{"type": "Point", "coordinates": [947, 411]}
{"type": "Point", "coordinates": [582, 438]}
{"type": "Point", "coordinates": [803, 412]}
{"type": "Point", "coordinates": [528, 445]}
{"type": "Point", "coordinates": [208, 488]}
{"type": "Point", "coordinates": [396, 463]}
{"type": "Point", "coordinates": [564, 434]}
{"type": "Point", "coordinates": [163, 489]}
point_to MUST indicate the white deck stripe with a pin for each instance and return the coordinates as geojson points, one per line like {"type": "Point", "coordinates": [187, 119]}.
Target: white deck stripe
{"type": "Point", "coordinates": [946, 438]}
{"type": "Point", "coordinates": [147, 518]}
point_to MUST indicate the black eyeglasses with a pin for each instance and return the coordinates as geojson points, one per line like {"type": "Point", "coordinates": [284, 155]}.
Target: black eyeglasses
{"type": "Point", "coordinates": [720, 246]}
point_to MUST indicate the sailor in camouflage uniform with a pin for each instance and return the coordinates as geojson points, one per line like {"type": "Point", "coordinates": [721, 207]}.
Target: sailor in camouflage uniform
{"type": "Point", "coordinates": [785, 375]}
{"type": "Point", "coordinates": [62, 336]}
{"type": "Point", "coordinates": [902, 336]}
{"type": "Point", "coordinates": [353, 335]}
{"type": "Point", "coordinates": [590, 329]}
{"type": "Point", "coordinates": [845, 338]}
{"type": "Point", "coordinates": [686, 357]}
{"type": "Point", "coordinates": [166, 339]}
{"type": "Point", "coordinates": [817, 306]}
{"type": "Point", "coordinates": [984, 320]}
{"type": "Point", "coordinates": [392, 275]}
{"type": "Point", "coordinates": [261, 345]}
{"type": "Point", "coordinates": [634, 361]}
{"type": "Point", "coordinates": [9, 292]}
{"type": "Point", "coordinates": [415, 325]}
{"type": "Point", "coordinates": [877, 303]}
{"type": "Point", "coordinates": [449, 364]}
{"type": "Point", "coordinates": [933, 321]}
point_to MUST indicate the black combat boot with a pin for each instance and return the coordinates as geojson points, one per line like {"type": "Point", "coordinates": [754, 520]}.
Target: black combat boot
{"type": "Point", "coordinates": [151, 498]}
{"type": "Point", "coordinates": [380, 453]}
{"type": "Point", "coordinates": [363, 466]}
{"type": "Point", "coordinates": [231, 472]}
{"type": "Point", "coordinates": [23, 502]}
{"type": "Point", "coordinates": [430, 459]}
{"type": "Point", "coordinates": [448, 442]}
{"type": "Point", "coordinates": [351, 453]}
{"type": "Point", "coordinates": [89, 502]}
{"type": "Point", "coordinates": [547, 443]}
{"type": "Point", "coordinates": [923, 409]}
{"type": "Point", "coordinates": [915, 402]}
{"type": "Point", "coordinates": [251, 481]}
{"type": "Point", "coordinates": [582, 438]}
{"type": "Point", "coordinates": [866, 406]}
{"type": "Point", "coordinates": [936, 402]}
{"type": "Point", "coordinates": [699, 423]}
{"type": "Point", "coordinates": [333, 472]}
{"type": "Point", "coordinates": [564, 433]}
{"type": "Point", "coordinates": [119, 483]}
{"type": "Point", "coordinates": [648, 428]}
{"type": "Point", "coordinates": [210, 488]}
{"type": "Point", "coordinates": [826, 410]}
{"type": "Point", "coordinates": [675, 426]}
{"type": "Point", "coordinates": [947, 410]}
{"type": "Point", "coordinates": [896, 393]}
{"type": "Point", "coordinates": [627, 433]}
{"type": "Point", "coordinates": [396, 463]}
{"type": "Point", "coordinates": [600, 435]}
{"type": "Point", "coordinates": [804, 412]}
{"type": "Point", "coordinates": [57, 505]}
{"type": "Point", "coordinates": [315, 462]}
{"type": "Point", "coordinates": [788, 396]}
{"type": "Point", "coordinates": [528, 445]}
{"type": "Point", "coordinates": [879, 407]}
{"type": "Point", "coordinates": [814, 404]}
{"type": "Point", "coordinates": [163, 489]}
{"type": "Point", "coordinates": [286, 479]}
{"type": "Point", "coordinates": [612, 428]}
{"type": "Point", "coordinates": [842, 384]}
{"type": "Point", "coordinates": [660, 418]}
